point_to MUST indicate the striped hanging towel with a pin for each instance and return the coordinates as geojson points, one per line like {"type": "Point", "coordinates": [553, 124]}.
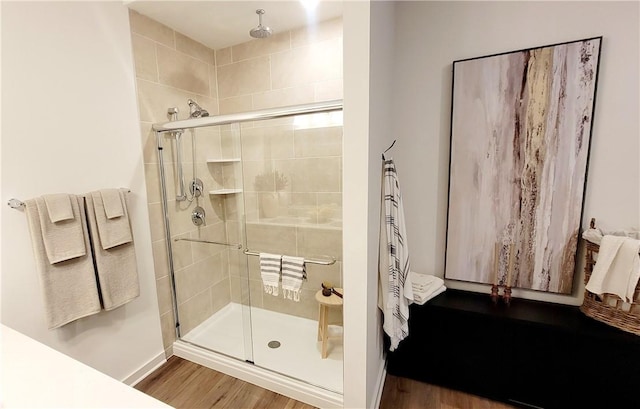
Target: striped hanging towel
{"type": "Point", "coordinates": [395, 288]}
{"type": "Point", "coordinates": [270, 272]}
{"type": "Point", "coordinates": [293, 272]}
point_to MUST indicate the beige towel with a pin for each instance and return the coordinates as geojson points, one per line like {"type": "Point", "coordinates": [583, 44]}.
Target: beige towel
{"type": "Point", "coordinates": [113, 232]}
{"type": "Point", "coordinates": [112, 203]}
{"type": "Point", "coordinates": [69, 288]}
{"type": "Point", "coordinates": [116, 266]}
{"type": "Point", "coordinates": [59, 207]}
{"type": "Point", "coordinates": [617, 269]}
{"type": "Point", "coordinates": [65, 239]}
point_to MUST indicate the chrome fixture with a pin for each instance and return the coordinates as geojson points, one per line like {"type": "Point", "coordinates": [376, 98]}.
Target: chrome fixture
{"type": "Point", "coordinates": [173, 113]}
{"type": "Point", "coordinates": [260, 31]}
{"type": "Point", "coordinates": [196, 188]}
{"type": "Point", "coordinates": [197, 216]}
{"type": "Point", "coordinates": [195, 110]}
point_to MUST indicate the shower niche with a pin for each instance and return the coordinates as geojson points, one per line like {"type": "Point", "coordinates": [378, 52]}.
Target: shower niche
{"type": "Point", "coordinates": [271, 185]}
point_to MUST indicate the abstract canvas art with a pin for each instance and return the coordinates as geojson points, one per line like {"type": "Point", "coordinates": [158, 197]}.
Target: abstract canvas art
{"type": "Point", "coordinates": [520, 131]}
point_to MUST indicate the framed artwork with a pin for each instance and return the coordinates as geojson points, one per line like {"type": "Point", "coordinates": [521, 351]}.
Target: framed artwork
{"type": "Point", "coordinates": [520, 131]}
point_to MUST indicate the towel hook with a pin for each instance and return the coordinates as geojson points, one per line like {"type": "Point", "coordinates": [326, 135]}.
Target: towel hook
{"type": "Point", "coordinates": [387, 150]}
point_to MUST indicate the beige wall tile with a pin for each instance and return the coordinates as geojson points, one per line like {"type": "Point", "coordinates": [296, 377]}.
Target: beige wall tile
{"type": "Point", "coordinates": [210, 232]}
{"type": "Point", "coordinates": [326, 30]}
{"type": "Point", "coordinates": [301, 94]}
{"type": "Point", "coordinates": [182, 256]}
{"type": "Point", "coordinates": [306, 308]}
{"type": "Point", "coordinates": [182, 71]}
{"type": "Point", "coordinates": [220, 294]}
{"type": "Point", "coordinates": [160, 259]}
{"type": "Point", "coordinates": [198, 276]}
{"type": "Point", "coordinates": [154, 100]}
{"type": "Point", "coordinates": [223, 56]}
{"type": "Point", "coordinates": [313, 174]}
{"type": "Point", "coordinates": [317, 274]}
{"type": "Point", "coordinates": [257, 293]}
{"type": "Point", "coordinates": [180, 217]}
{"type": "Point", "coordinates": [213, 81]}
{"type": "Point", "coordinates": [214, 207]}
{"type": "Point", "coordinates": [208, 103]}
{"type": "Point", "coordinates": [194, 48]}
{"type": "Point", "coordinates": [265, 143]}
{"type": "Point", "coordinates": [149, 145]}
{"type": "Point", "coordinates": [251, 170]}
{"type": "Point", "coordinates": [152, 179]}
{"type": "Point", "coordinates": [328, 90]}
{"type": "Point", "coordinates": [315, 242]}
{"type": "Point", "coordinates": [163, 287]}
{"type": "Point", "coordinates": [317, 62]}
{"type": "Point", "coordinates": [230, 141]}
{"type": "Point", "coordinates": [194, 311]}
{"type": "Point", "coordinates": [251, 206]}
{"type": "Point", "coordinates": [244, 77]}
{"type": "Point", "coordinates": [258, 48]}
{"type": "Point", "coordinates": [317, 142]}
{"type": "Point", "coordinates": [144, 57]}
{"type": "Point", "coordinates": [235, 105]}
{"type": "Point", "coordinates": [168, 326]}
{"type": "Point", "coordinates": [208, 144]}
{"type": "Point", "coordinates": [271, 239]}
{"type": "Point", "coordinates": [150, 28]}
{"type": "Point", "coordinates": [156, 221]}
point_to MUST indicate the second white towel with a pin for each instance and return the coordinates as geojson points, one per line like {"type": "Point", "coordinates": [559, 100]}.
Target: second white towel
{"type": "Point", "coordinates": [270, 272]}
{"type": "Point", "coordinates": [293, 272]}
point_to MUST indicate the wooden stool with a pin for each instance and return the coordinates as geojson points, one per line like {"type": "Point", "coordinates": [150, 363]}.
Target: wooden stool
{"type": "Point", "coordinates": [323, 317]}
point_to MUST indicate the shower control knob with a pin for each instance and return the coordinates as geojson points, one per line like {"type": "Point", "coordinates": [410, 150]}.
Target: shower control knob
{"type": "Point", "coordinates": [197, 216]}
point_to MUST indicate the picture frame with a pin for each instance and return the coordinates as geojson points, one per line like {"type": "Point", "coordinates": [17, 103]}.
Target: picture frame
{"type": "Point", "coordinates": [521, 125]}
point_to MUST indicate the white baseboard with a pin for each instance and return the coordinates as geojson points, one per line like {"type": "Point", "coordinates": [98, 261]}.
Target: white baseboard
{"type": "Point", "coordinates": [382, 376]}
{"type": "Point", "coordinates": [145, 369]}
{"type": "Point", "coordinates": [263, 378]}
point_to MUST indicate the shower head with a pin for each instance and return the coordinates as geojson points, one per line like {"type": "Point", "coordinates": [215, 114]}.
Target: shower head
{"type": "Point", "coordinates": [195, 110]}
{"type": "Point", "coordinates": [260, 31]}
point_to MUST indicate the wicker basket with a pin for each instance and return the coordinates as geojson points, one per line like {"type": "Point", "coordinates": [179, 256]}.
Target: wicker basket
{"type": "Point", "coordinates": [609, 308]}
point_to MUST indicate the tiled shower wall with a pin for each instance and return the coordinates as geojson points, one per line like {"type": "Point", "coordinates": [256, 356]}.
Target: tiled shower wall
{"type": "Point", "coordinates": [292, 67]}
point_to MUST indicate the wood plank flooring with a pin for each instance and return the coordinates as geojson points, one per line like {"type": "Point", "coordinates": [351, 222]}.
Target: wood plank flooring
{"type": "Point", "coordinates": [184, 384]}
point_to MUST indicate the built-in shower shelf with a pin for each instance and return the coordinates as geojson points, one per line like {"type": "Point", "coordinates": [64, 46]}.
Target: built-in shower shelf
{"type": "Point", "coordinates": [224, 160]}
{"type": "Point", "coordinates": [225, 191]}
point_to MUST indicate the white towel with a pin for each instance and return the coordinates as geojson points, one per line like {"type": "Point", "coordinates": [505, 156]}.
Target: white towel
{"type": "Point", "coordinates": [65, 239]}
{"type": "Point", "coordinates": [426, 287]}
{"type": "Point", "coordinates": [112, 201]}
{"type": "Point", "coordinates": [293, 272]}
{"type": "Point", "coordinates": [420, 299]}
{"type": "Point", "coordinates": [270, 272]}
{"type": "Point", "coordinates": [113, 232]}
{"type": "Point", "coordinates": [116, 266]}
{"type": "Point", "coordinates": [395, 288]}
{"type": "Point", "coordinates": [59, 207]}
{"type": "Point", "coordinates": [618, 268]}
{"type": "Point", "coordinates": [69, 288]}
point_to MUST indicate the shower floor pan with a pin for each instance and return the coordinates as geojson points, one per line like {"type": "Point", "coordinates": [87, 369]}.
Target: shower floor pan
{"type": "Point", "coordinates": [298, 355]}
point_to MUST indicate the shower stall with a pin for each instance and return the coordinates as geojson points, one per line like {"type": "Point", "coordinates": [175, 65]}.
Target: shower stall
{"type": "Point", "coordinates": [232, 187]}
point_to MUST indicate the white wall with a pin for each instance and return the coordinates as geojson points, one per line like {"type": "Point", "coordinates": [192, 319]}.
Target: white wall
{"type": "Point", "coordinates": [70, 124]}
{"type": "Point", "coordinates": [431, 35]}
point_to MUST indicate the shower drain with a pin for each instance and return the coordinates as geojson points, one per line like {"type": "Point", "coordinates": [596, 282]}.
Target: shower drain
{"type": "Point", "coordinates": [274, 344]}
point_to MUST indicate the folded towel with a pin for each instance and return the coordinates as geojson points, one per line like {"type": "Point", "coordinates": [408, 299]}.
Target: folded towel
{"type": "Point", "coordinates": [111, 198]}
{"type": "Point", "coordinates": [69, 288]}
{"type": "Point", "coordinates": [618, 268]}
{"type": "Point", "coordinates": [113, 232]}
{"type": "Point", "coordinates": [65, 239]}
{"type": "Point", "coordinates": [293, 272]}
{"type": "Point", "coordinates": [59, 207]}
{"type": "Point", "coordinates": [420, 300]}
{"type": "Point", "coordinates": [270, 272]}
{"type": "Point", "coordinates": [116, 266]}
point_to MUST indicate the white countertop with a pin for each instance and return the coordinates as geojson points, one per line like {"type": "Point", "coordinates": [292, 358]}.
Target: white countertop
{"type": "Point", "coordinates": [32, 375]}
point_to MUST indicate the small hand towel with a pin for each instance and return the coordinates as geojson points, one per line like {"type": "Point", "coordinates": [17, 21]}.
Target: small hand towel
{"type": "Point", "coordinates": [270, 272]}
{"type": "Point", "coordinates": [69, 288]}
{"type": "Point", "coordinates": [113, 232]}
{"type": "Point", "coordinates": [65, 239]}
{"type": "Point", "coordinates": [617, 269]}
{"type": "Point", "coordinates": [293, 272]}
{"type": "Point", "coordinates": [59, 207]}
{"type": "Point", "coordinates": [112, 203]}
{"type": "Point", "coordinates": [116, 266]}
{"type": "Point", "coordinates": [420, 300]}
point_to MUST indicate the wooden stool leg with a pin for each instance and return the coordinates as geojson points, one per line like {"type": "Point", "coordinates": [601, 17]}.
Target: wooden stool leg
{"type": "Point", "coordinates": [323, 333]}
{"type": "Point", "coordinates": [320, 322]}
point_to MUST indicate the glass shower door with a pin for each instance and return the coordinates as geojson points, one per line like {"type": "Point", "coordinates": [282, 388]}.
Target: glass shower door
{"type": "Point", "coordinates": [207, 238]}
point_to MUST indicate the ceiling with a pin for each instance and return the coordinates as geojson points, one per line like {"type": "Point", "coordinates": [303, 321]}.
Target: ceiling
{"type": "Point", "coordinates": [219, 24]}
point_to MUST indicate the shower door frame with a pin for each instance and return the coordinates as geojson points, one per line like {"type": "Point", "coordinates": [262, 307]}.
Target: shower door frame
{"type": "Point", "coordinates": [201, 122]}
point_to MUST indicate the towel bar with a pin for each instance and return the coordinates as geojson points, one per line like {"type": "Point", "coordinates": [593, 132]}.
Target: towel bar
{"type": "Point", "coordinates": [309, 261]}
{"type": "Point", "coordinates": [238, 246]}
{"type": "Point", "coordinates": [19, 204]}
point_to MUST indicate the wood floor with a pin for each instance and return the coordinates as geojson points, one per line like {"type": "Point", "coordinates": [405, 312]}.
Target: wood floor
{"type": "Point", "coordinates": [183, 384]}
